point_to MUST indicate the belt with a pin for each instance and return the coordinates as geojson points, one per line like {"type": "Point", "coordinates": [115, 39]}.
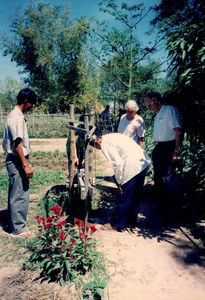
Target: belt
{"type": "Point", "coordinates": [15, 156]}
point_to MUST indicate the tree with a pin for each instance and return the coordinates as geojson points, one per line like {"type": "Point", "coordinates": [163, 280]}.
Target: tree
{"type": "Point", "coordinates": [120, 53]}
{"type": "Point", "coordinates": [49, 46]}
{"type": "Point", "coordinates": [183, 23]}
{"type": "Point", "coordinates": [9, 88]}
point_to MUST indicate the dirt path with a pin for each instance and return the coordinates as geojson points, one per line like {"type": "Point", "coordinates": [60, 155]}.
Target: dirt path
{"type": "Point", "coordinates": [45, 145]}
{"type": "Point", "coordinates": [156, 261]}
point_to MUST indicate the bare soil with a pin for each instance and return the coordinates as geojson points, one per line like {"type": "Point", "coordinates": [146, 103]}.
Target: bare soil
{"type": "Point", "coordinates": [158, 260]}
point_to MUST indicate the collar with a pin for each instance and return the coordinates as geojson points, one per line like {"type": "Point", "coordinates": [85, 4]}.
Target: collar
{"type": "Point", "coordinates": [19, 112]}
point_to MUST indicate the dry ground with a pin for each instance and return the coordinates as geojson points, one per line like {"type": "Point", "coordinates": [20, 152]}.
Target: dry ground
{"type": "Point", "coordinates": [156, 261]}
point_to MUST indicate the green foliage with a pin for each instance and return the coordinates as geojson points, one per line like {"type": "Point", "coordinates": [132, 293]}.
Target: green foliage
{"type": "Point", "coordinates": [63, 252]}
{"type": "Point", "coordinates": [126, 68]}
{"type": "Point", "coordinates": [48, 46]}
{"type": "Point", "coordinates": [193, 165]}
{"type": "Point", "coordinates": [183, 24]}
{"type": "Point", "coordinates": [46, 177]}
{"type": "Point", "coordinates": [3, 179]}
{"type": "Point", "coordinates": [9, 89]}
{"type": "Point", "coordinates": [57, 195]}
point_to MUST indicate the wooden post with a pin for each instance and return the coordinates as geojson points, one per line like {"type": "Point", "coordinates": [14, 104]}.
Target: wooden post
{"type": "Point", "coordinates": [91, 148]}
{"type": "Point", "coordinates": [72, 158]}
{"type": "Point", "coordinates": [86, 122]}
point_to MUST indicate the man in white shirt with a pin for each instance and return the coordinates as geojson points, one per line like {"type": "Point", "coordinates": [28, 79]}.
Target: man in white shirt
{"type": "Point", "coordinates": [130, 164]}
{"type": "Point", "coordinates": [16, 145]}
{"type": "Point", "coordinates": [166, 134]}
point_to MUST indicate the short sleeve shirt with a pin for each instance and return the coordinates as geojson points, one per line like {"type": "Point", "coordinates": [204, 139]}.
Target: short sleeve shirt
{"type": "Point", "coordinates": [16, 127]}
{"type": "Point", "coordinates": [133, 128]}
{"type": "Point", "coordinates": [165, 121]}
{"type": "Point", "coordinates": [126, 157]}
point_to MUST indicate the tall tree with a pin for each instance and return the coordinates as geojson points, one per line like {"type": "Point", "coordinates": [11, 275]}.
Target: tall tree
{"type": "Point", "coordinates": [183, 21]}
{"type": "Point", "coordinates": [48, 46]}
{"type": "Point", "coordinates": [120, 51]}
{"type": "Point", "coordinates": [9, 88]}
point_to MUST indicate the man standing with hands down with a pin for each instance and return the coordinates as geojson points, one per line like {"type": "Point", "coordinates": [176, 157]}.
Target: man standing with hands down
{"type": "Point", "coordinates": [130, 164]}
{"type": "Point", "coordinates": [166, 134]}
{"type": "Point", "coordinates": [16, 145]}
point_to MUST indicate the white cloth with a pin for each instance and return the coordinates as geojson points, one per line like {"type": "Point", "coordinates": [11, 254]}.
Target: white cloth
{"type": "Point", "coordinates": [133, 128]}
{"type": "Point", "coordinates": [16, 128]}
{"type": "Point", "coordinates": [126, 157]}
{"type": "Point", "coordinates": [165, 121]}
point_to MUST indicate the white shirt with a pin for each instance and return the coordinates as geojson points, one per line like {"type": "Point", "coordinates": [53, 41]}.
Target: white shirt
{"type": "Point", "coordinates": [165, 121]}
{"type": "Point", "coordinates": [126, 157]}
{"type": "Point", "coordinates": [133, 128]}
{"type": "Point", "coordinates": [16, 128]}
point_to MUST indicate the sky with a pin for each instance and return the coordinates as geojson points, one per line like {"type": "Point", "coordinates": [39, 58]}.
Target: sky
{"type": "Point", "coordinates": [78, 8]}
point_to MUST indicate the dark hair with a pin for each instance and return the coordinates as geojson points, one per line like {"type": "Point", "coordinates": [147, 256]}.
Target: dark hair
{"type": "Point", "coordinates": [28, 95]}
{"type": "Point", "coordinates": [92, 143]}
{"type": "Point", "coordinates": [154, 94]}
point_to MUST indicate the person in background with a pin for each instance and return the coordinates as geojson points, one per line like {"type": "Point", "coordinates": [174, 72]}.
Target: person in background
{"type": "Point", "coordinates": [105, 115]}
{"type": "Point", "coordinates": [166, 134]}
{"type": "Point", "coordinates": [131, 124]}
{"type": "Point", "coordinates": [17, 147]}
{"type": "Point", "coordinates": [130, 164]}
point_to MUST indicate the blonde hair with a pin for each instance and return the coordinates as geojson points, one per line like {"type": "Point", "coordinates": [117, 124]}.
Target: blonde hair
{"type": "Point", "coordinates": [131, 104]}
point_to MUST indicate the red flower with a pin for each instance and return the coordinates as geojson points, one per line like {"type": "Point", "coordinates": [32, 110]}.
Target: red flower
{"type": "Point", "coordinates": [86, 246]}
{"type": "Point", "coordinates": [40, 230]}
{"type": "Point", "coordinates": [38, 220]}
{"type": "Point", "coordinates": [47, 256]}
{"type": "Point", "coordinates": [61, 224]}
{"type": "Point", "coordinates": [93, 229]}
{"type": "Point", "coordinates": [73, 241]}
{"type": "Point", "coordinates": [87, 229]}
{"type": "Point", "coordinates": [62, 236]}
{"type": "Point", "coordinates": [49, 220]}
{"type": "Point", "coordinates": [80, 235]}
{"type": "Point", "coordinates": [48, 225]}
{"type": "Point", "coordinates": [86, 237]}
{"type": "Point", "coordinates": [43, 220]}
{"type": "Point", "coordinates": [77, 221]}
{"type": "Point", "coordinates": [70, 247]}
{"type": "Point", "coordinates": [56, 209]}
{"type": "Point", "coordinates": [82, 224]}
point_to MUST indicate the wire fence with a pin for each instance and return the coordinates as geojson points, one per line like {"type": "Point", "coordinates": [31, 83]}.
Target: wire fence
{"type": "Point", "coordinates": [41, 125]}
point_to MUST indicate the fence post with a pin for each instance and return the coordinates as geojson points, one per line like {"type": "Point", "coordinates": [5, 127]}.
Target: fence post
{"type": "Point", "coordinates": [91, 148]}
{"type": "Point", "coordinates": [72, 157]}
{"type": "Point", "coordinates": [86, 126]}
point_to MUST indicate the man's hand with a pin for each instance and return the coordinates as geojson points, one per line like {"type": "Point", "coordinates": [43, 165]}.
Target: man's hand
{"type": "Point", "coordinates": [28, 170]}
{"type": "Point", "coordinates": [176, 157]}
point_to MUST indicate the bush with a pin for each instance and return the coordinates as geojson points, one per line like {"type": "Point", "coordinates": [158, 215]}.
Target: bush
{"type": "Point", "coordinates": [63, 252]}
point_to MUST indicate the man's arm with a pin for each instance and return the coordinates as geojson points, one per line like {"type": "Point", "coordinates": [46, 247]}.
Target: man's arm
{"type": "Point", "coordinates": [27, 169]}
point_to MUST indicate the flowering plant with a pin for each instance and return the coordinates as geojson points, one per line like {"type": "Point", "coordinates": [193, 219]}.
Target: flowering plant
{"type": "Point", "coordinates": [63, 251]}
